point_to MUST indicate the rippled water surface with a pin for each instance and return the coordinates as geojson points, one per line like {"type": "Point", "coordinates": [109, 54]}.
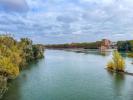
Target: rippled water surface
{"type": "Point", "coordinates": [65, 75]}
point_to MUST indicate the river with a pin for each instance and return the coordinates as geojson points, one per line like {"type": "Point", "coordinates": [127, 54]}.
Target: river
{"type": "Point", "coordinates": [66, 75]}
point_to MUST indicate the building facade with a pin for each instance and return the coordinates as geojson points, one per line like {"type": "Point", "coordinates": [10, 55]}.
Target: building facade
{"type": "Point", "coordinates": [105, 45]}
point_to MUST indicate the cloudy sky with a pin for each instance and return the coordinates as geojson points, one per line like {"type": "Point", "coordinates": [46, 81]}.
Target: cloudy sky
{"type": "Point", "coordinates": [61, 21]}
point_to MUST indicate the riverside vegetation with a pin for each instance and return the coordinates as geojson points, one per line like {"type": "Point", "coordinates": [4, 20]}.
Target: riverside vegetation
{"type": "Point", "coordinates": [14, 56]}
{"type": "Point", "coordinates": [85, 45]}
{"type": "Point", "coordinates": [117, 63]}
{"type": "Point", "coordinates": [122, 46]}
{"type": "Point", "coordinates": [126, 46]}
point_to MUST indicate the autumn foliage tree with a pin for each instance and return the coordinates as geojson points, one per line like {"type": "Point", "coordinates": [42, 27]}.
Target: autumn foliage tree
{"type": "Point", "coordinates": [14, 55]}
{"type": "Point", "coordinates": [117, 63]}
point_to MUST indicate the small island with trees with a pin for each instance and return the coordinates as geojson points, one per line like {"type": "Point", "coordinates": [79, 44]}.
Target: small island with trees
{"type": "Point", "coordinates": [14, 56]}
{"type": "Point", "coordinates": [117, 63]}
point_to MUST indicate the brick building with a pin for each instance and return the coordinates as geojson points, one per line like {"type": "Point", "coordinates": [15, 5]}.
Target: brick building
{"type": "Point", "coordinates": [105, 45]}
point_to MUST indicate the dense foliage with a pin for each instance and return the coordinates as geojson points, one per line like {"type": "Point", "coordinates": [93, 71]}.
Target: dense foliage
{"type": "Point", "coordinates": [117, 63]}
{"type": "Point", "coordinates": [121, 45]}
{"type": "Point", "coordinates": [15, 55]}
{"type": "Point", "coordinates": [125, 45]}
{"type": "Point", "coordinates": [92, 45]}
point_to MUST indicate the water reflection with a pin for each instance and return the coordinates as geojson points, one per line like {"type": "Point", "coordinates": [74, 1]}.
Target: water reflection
{"type": "Point", "coordinates": [131, 92]}
{"type": "Point", "coordinates": [118, 82]}
{"type": "Point", "coordinates": [78, 74]}
{"type": "Point", "coordinates": [94, 52]}
{"type": "Point", "coordinates": [14, 89]}
{"type": "Point", "coordinates": [15, 86]}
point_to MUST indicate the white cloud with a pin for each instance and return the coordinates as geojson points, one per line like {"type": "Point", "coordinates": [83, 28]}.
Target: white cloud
{"type": "Point", "coordinates": [79, 20]}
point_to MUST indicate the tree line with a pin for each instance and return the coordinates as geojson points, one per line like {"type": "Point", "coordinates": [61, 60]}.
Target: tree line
{"type": "Point", "coordinates": [85, 45]}
{"type": "Point", "coordinates": [121, 45]}
{"type": "Point", "coordinates": [125, 45]}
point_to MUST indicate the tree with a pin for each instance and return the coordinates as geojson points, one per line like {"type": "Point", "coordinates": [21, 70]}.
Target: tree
{"type": "Point", "coordinates": [38, 51]}
{"type": "Point", "coordinates": [8, 69]}
{"type": "Point", "coordinates": [117, 63]}
{"type": "Point", "coordinates": [26, 47]}
{"type": "Point", "coordinates": [15, 55]}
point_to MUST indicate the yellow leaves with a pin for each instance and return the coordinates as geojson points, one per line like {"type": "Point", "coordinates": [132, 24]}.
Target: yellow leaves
{"type": "Point", "coordinates": [117, 63]}
{"type": "Point", "coordinates": [14, 55]}
{"type": "Point", "coordinates": [110, 65]}
{"type": "Point", "coordinates": [121, 65]}
{"type": "Point", "coordinates": [9, 57]}
{"type": "Point", "coordinates": [6, 65]}
{"type": "Point", "coordinates": [130, 54]}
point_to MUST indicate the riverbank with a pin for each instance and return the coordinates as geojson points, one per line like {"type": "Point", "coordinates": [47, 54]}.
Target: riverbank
{"type": "Point", "coordinates": [3, 86]}
{"type": "Point", "coordinates": [15, 56]}
{"type": "Point", "coordinates": [80, 50]}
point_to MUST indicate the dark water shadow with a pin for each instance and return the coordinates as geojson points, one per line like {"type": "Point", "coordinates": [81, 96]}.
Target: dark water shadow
{"type": "Point", "coordinates": [14, 86]}
{"type": "Point", "coordinates": [33, 64]}
{"type": "Point", "coordinates": [118, 82]}
{"type": "Point", "coordinates": [13, 92]}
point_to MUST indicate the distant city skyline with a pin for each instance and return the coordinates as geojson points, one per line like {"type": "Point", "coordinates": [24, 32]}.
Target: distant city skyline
{"type": "Point", "coordinates": [67, 21]}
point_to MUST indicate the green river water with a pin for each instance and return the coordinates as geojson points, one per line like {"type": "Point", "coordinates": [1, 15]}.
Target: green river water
{"type": "Point", "coordinates": [65, 75]}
